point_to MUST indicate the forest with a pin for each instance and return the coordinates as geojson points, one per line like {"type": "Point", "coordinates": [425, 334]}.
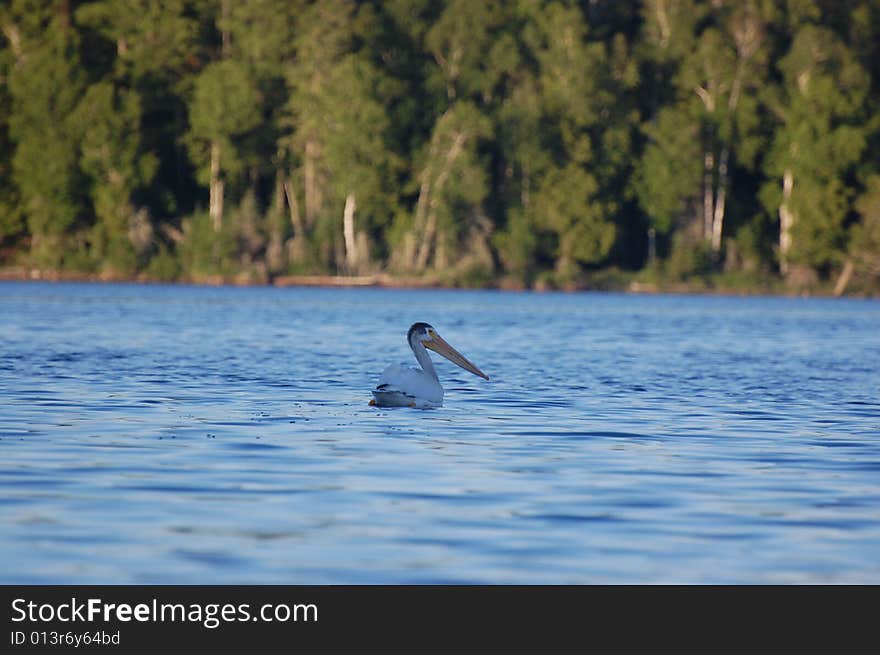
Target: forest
{"type": "Point", "coordinates": [700, 144]}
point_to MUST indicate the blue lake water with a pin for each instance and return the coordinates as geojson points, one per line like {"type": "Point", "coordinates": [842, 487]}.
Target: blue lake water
{"type": "Point", "coordinates": [173, 434]}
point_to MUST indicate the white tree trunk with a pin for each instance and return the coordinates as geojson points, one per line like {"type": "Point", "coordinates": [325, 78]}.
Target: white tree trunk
{"type": "Point", "coordinates": [420, 222]}
{"type": "Point", "coordinates": [13, 36]}
{"type": "Point", "coordinates": [215, 192]}
{"type": "Point", "coordinates": [275, 247]}
{"type": "Point", "coordinates": [431, 224]}
{"type": "Point", "coordinates": [293, 208]}
{"type": "Point", "coordinates": [312, 192]}
{"type": "Point", "coordinates": [844, 278]}
{"type": "Point", "coordinates": [720, 198]}
{"type": "Point", "coordinates": [786, 220]}
{"type": "Point", "coordinates": [351, 250]}
{"type": "Point", "coordinates": [427, 241]}
{"type": "Point", "coordinates": [708, 195]}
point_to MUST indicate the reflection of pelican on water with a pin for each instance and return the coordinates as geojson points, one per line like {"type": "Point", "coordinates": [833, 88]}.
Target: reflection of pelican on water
{"type": "Point", "coordinates": [403, 386]}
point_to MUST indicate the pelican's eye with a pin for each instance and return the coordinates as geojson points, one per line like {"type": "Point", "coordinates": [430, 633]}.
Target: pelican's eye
{"type": "Point", "coordinates": [432, 334]}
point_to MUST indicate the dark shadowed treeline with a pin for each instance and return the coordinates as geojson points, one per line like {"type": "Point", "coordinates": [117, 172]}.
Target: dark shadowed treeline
{"type": "Point", "coordinates": [521, 143]}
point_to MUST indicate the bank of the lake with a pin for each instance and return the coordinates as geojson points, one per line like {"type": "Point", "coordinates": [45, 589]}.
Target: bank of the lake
{"type": "Point", "coordinates": [607, 281]}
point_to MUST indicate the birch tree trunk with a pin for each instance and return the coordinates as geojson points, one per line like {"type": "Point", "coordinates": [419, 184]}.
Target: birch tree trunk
{"type": "Point", "coordinates": [293, 207]}
{"type": "Point", "coordinates": [720, 198]}
{"type": "Point", "coordinates": [351, 250]}
{"type": "Point", "coordinates": [708, 195]}
{"type": "Point", "coordinates": [441, 257]}
{"type": "Point", "coordinates": [844, 278]}
{"type": "Point", "coordinates": [431, 224]}
{"type": "Point", "coordinates": [278, 195]}
{"type": "Point", "coordinates": [215, 192]}
{"type": "Point", "coordinates": [312, 197]}
{"type": "Point", "coordinates": [297, 247]}
{"type": "Point", "coordinates": [427, 241]}
{"type": "Point", "coordinates": [419, 224]}
{"type": "Point", "coordinates": [275, 249]}
{"type": "Point", "coordinates": [786, 220]}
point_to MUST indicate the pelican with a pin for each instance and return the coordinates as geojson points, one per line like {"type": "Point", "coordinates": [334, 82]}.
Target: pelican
{"type": "Point", "coordinates": [403, 386]}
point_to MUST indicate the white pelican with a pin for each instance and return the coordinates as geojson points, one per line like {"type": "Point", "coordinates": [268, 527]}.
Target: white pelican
{"type": "Point", "coordinates": [403, 386]}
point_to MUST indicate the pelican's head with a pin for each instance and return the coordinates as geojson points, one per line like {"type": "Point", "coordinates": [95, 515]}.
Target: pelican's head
{"type": "Point", "coordinates": [427, 336]}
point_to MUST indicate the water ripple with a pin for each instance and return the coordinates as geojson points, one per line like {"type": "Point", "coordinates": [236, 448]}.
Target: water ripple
{"type": "Point", "coordinates": [155, 434]}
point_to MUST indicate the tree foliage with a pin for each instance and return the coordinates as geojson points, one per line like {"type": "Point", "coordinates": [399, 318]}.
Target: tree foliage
{"type": "Point", "coordinates": [540, 141]}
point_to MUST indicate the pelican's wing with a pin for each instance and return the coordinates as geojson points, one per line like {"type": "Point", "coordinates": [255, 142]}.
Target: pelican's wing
{"type": "Point", "coordinates": [395, 375]}
{"type": "Point", "coordinates": [382, 398]}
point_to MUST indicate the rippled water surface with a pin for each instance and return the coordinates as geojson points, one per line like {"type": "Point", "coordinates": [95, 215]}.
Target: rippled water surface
{"type": "Point", "coordinates": [157, 434]}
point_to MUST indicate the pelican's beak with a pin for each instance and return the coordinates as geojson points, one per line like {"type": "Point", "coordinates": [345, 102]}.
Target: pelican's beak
{"type": "Point", "coordinates": [438, 345]}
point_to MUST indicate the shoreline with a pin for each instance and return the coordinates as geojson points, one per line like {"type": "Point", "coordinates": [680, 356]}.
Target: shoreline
{"type": "Point", "coordinates": [387, 281]}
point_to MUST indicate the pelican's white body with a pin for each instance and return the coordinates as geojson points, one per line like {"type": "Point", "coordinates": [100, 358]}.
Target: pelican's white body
{"type": "Point", "coordinates": [407, 386]}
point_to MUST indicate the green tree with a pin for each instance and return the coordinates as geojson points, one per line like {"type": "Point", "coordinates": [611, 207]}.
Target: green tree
{"type": "Point", "coordinates": [565, 203]}
{"type": "Point", "coordinates": [324, 36]}
{"type": "Point", "coordinates": [448, 229]}
{"type": "Point", "coordinates": [452, 182]}
{"type": "Point", "coordinates": [338, 146]}
{"type": "Point", "coordinates": [356, 154]}
{"type": "Point", "coordinates": [224, 108]}
{"type": "Point", "coordinates": [109, 120]}
{"type": "Point", "coordinates": [821, 135]}
{"type": "Point", "coordinates": [541, 138]}
{"type": "Point", "coordinates": [560, 152]}
{"type": "Point", "coordinates": [715, 61]}
{"type": "Point", "coordinates": [864, 243]}
{"type": "Point", "coordinates": [521, 147]}
{"type": "Point", "coordinates": [261, 36]}
{"type": "Point", "coordinates": [459, 41]}
{"type": "Point", "coordinates": [155, 47]}
{"type": "Point", "coordinates": [45, 85]}
{"type": "Point", "coordinates": [152, 39]}
{"type": "Point", "coordinates": [670, 169]}
{"type": "Point", "coordinates": [12, 223]}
